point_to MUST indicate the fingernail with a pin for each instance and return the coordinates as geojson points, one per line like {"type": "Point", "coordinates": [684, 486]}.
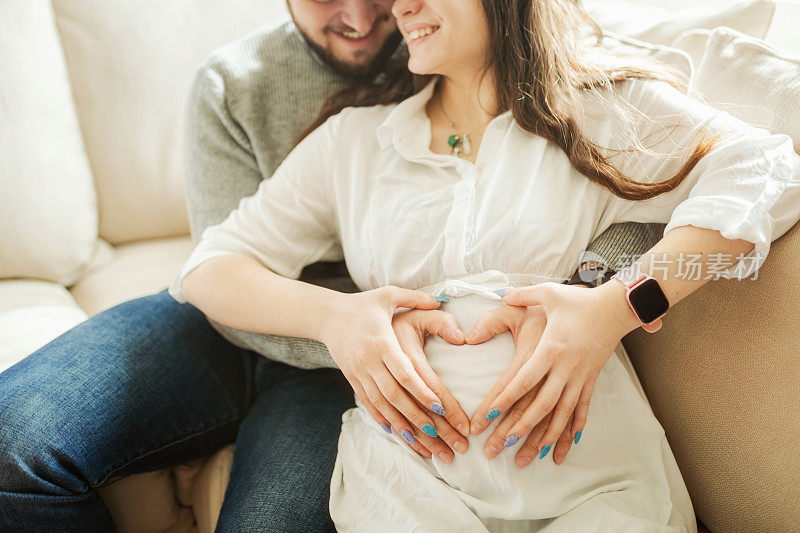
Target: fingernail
{"type": "Point", "coordinates": [494, 413]}
{"type": "Point", "coordinates": [544, 451]}
{"type": "Point", "coordinates": [460, 447]}
{"type": "Point", "coordinates": [500, 292]}
{"type": "Point", "coordinates": [524, 461]}
{"type": "Point", "coordinates": [429, 430]}
{"type": "Point", "coordinates": [578, 436]}
{"type": "Point", "coordinates": [437, 408]}
{"type": "Point", "coordinates": [510, 441]}
{"type": "Point", "coordinates": [408, 436]}
{"type": "Point", "coordinates": [463, 429]}
{"type": "Point", "coordinates": [386, 427]}
{"type": "Point", "coordinates": [460, 335]}
{"type": "Point", "coordinates": [441, 298]}
{"type": "Point", "coordinates": [445, 457]}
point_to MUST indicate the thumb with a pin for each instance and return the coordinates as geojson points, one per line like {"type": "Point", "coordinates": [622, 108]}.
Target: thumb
{"type": "Point", "coordinates": [530, 295]}
{"type": "Point", "coordinates": [441, 324]}
{"type": "Point", "coordinates": [489, 324]}
{"type": "Point", "coordinates": [412, 298]}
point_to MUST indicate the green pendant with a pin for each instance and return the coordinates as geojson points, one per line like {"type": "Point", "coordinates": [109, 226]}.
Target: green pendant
{"type": "Point", "coordinates": [453, 140]}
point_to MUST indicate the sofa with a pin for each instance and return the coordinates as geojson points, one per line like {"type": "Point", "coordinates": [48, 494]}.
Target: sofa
{"type": "Point", "coordinates": [92, 213]}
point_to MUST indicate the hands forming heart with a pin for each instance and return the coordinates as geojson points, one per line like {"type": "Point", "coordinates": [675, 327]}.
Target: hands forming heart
{"type": "Point", "coordinates": [527, 325]}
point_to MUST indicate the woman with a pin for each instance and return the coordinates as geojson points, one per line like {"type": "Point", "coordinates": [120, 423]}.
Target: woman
{"type": "Point", "coordinates": [514, 143]}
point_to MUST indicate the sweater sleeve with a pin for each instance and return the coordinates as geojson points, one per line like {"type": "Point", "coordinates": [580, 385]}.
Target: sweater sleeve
{"type": "Point", "coordinates": [623, 241]}
{"type": "Point", "coordinates": [221, 170]}
{"type": "Point", "coordinates": [747, 186]}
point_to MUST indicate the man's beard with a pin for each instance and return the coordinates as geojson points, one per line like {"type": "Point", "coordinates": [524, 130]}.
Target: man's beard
{"type": "Point", "coordinates": [366, 71]}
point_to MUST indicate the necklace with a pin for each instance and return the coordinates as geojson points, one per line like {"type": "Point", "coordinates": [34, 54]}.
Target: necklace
{"type": "Point", "coordinates": [458, 142]}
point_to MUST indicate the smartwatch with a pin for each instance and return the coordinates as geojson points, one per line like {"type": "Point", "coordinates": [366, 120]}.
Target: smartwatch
{"type": "Point", "coordinates": [646, 299]}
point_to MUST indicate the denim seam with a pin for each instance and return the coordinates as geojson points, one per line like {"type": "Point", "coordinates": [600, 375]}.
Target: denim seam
{"type": "Point", "coordinates": [163, 447]}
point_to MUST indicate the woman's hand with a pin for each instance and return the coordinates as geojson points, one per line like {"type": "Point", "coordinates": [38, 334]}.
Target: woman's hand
{"type": "Point", "coordinates": [526, 325]}
{"type": "Point", "coordinates": [392, 384]}
{"type": "Point", "coordinates": [582, 328]}
{"type": "Point", "coordinates": [411, 327]}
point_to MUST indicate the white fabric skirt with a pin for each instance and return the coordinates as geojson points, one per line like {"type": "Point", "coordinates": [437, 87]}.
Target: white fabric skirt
{"type": "Point", "coordinates": [621, 476]}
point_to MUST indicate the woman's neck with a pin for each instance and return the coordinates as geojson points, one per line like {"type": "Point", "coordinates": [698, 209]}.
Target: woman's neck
{"type": "Point", "coordinates": [468, 103]}
{"type": "Point", "coordinates": [459, 112]}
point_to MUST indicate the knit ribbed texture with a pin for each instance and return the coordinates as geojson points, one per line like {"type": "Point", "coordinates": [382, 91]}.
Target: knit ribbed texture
{"type": "Point", "coordinates": [248, 103]}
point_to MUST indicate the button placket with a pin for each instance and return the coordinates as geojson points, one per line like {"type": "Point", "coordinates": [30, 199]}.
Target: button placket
{"type": "Point", "coordinates": [457, 228]}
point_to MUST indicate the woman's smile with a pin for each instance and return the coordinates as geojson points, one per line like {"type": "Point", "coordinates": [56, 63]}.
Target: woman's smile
{"type": "Point", "coordinates": [415, 36]}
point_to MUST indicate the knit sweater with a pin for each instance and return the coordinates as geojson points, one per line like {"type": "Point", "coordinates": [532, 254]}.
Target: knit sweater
{"type": "Point", "coordinates": [248, 103]}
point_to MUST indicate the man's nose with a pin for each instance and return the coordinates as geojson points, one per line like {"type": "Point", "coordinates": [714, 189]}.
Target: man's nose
{"type": "Point", "coordinates": [360, 14]}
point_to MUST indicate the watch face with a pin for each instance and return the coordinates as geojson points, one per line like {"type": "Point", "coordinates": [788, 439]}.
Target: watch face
{"type": "Point", "coordinates": [649, 300]}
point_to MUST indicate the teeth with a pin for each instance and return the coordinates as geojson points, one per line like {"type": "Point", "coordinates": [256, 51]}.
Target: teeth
{"type": "Point", "coordinates": [416, 34]}
{"type": "Point", "coordinates": [355, 34]}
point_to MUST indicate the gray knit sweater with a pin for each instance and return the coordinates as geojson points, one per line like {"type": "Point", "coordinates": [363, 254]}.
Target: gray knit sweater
{"type": "Point", "coordinates": [249, 101]}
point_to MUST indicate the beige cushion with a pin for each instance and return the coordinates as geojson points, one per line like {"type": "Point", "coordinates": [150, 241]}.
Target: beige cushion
{"type": "Point", "coordinates": [209, 488]}
{"type": "Point", "coordinates": [145, 503]}
{"type": "Point", "coordinates": [657, 25]}
{"type": "Point", "coordinates": [48, 213]}
{"type": "Point", "coordinates": [133, 270]}
{"type": "Point", "coordinates": [723, 379]}
{"type": "Point", "coordinates": [131, 64]}
{"type": "Point", "coordinates": [32, 313]}
{"type": "Point", "coordinates": [752, 81]}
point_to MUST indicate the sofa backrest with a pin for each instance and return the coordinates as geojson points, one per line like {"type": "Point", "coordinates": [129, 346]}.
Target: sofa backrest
{"type": "Point", "coordinates": [723, 375]}
{"type": "Point", "coordinates": [130, 64]}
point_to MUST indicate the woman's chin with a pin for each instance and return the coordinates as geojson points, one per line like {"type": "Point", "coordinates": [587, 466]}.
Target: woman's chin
{"type": "Point", "coordinates": [421, 66]}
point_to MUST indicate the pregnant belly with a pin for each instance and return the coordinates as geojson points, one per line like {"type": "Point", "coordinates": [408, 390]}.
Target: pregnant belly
{"type": "Point", "coordinates": [470, 371]}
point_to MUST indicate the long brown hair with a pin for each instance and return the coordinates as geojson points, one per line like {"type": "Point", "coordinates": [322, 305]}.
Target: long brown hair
{"type": "Point", "coordinates": [542, 73]}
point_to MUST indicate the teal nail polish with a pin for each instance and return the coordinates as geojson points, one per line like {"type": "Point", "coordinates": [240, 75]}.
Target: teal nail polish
{"type": "Point", "coordinates": [441, 298]}
{"type": "Point", "coordinates": [494, 413]}
{"type": "Point", "coordinates": [429, 430]}
{"type": "Point", "coordinates": [578, 436]}
{"type": "Point", "coordinates": [544, 451]}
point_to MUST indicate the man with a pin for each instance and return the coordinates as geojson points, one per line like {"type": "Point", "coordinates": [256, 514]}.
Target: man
{"type": "Point", "coordinates": [152, 383]}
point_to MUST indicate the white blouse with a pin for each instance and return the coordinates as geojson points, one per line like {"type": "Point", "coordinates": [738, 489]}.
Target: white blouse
{"type": "Point", "coordinates": [365, 187]}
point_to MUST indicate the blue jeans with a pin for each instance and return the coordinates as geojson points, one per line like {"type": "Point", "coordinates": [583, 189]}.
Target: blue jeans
{"type": "Point", "coordinates": [150, 384]}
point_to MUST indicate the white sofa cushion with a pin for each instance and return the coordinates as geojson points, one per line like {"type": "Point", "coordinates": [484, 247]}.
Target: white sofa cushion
{"type": "Point", "coordinates": [657, 25]}
{"type": "Point", "coordinates": [32, 313]}
{"type": "Point", "coordinates": [48, 212]}
{"type": "Point", "coordinates": [131, 64]}
{"type": "Point", "coordinates": [135, 269]}
{"type": "Point", "coordinates": [752, 81]}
